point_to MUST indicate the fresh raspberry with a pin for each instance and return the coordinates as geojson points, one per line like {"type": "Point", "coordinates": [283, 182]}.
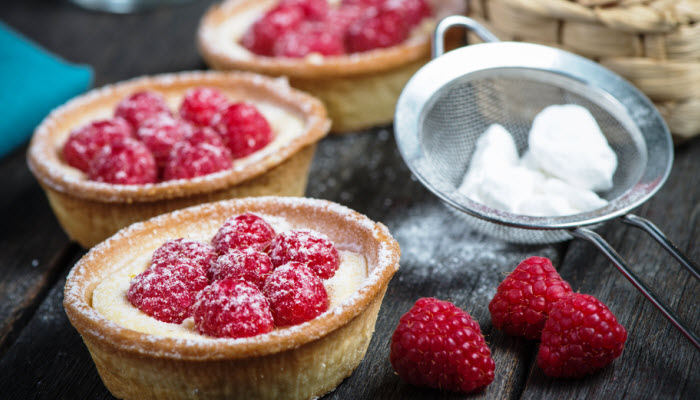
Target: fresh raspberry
{"type": "Point", "coordinates": [141, 106]}
{"type": "Point", "coordinates": [261, 37]}
{"type": "Point", "coordinates": [373, 31]}
{"type": "Point", "coordinates": [244, 129]}
{"type": "Point", "coordinates": [523, 300]}
{"type": "Point", "coordinates": [160, 133]}
{"type": "Point", "coordinates": [312, 9]}
{"type": "Point", "coordinates": [307, 247]}
{"type": "Point", "coordinates": [247, 264]}
{"type": "Point", "coordinates": [436, 344]}
{"type": "Point", "coordinates": [245, 230]}
{"type": "Point", "coordinates": [232, 308]}
{"type": "Point", "coordinates": [85, 142]}
{"type": "Point", "coordinates": [308, 38]}
{"type": "Point", "coordinates": [296, 294]}
{"type": "Point", "coordinates": [201, 134]}
{"type": "Point", "coordinates": [187, 251]}
{"type": "Point", "coordinates": [167, 293]}
{"type": "Point", "coordinates": [580, 336]}
{"type": "Point", "coordinates": [413, 10]}
{"type": "Point", "coordinates": [201, 105]}
{"type": "Point", "coordinates": [126, 162]}
{"type": "Point", "coordinates": [339, 19]}
{"type": "Point", "coordinates": [364, 3]}
{"type": "Point", "coordinates": [187, 161]}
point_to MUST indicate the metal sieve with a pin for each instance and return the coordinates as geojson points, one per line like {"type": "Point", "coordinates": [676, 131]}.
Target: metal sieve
{"type": "Point", "coordinates": [453, 99]}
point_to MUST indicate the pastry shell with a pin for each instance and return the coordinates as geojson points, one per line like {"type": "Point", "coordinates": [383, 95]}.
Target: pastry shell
{"type": "Point", "coordinates": [300, 362]}
{"type": "Point", "coordinates": [359, 90]}
{"type": "Point", "coordinates": [91, 211]}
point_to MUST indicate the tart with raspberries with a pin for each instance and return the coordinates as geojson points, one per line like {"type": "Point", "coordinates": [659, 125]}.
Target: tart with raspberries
{"type": "Point", "coordinates": [355, 55]}
{"type": "Point", "coordinates": [127, 152]}
{"type": "Point", "coordinates": [265, 298]}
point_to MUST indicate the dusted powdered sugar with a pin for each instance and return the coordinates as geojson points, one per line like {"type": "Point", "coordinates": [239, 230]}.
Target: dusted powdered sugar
{"type": "Point", "coordinates": [568, 158]}
{"type": "Point", "coordinates": [110, 296]}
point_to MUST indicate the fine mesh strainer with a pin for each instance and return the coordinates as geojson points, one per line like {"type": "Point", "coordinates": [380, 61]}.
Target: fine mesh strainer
{"type": "Point", "coordinates": [453, 99]}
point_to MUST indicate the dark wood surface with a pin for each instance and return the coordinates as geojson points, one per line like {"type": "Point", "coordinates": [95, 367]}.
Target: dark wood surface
{"type": "Point", "coordinates": [42, 356]}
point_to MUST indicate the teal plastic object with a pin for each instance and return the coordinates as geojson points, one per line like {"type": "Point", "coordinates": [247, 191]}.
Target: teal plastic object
{"type": "Point", "coordinates": [32, 83]}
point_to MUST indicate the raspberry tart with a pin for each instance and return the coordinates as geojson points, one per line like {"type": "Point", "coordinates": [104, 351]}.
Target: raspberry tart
{"type": "Point", "coordinates": [127, 152]}
{"type": "Point", "coordinates": [159, 325]}
{"type": "Point", "coordinates": [355, 55]}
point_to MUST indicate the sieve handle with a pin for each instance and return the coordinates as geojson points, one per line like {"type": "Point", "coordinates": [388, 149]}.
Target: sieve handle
{"type": "Point", "coordinates": [625, 269]}
{"type": "Point", "coordinates": [649, 227]}
{"type": "Point", "coordinates": [458, 20]}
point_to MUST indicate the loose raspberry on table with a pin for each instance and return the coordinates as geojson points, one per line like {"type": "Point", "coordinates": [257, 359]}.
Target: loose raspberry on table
{"type": "Point", "coordinates": [261, 37]}
{"type": "Point", "coordinates": [385, 28]}
{"type": "Point", "coordinates": [247, 264]}
{"type": "Point", "coordinates": [126, 162]}
{"type": "Point", "coordinates": [203, 135]}
{"type": "Point", "coordinates": [438, 345]}
{"type": "Point", "coordinates": [308, 38]}
{"type": "Point", "coordinates": [580, 336]}
{"type": "Point", "coordinates": [187, 161]}
{"type": "Point", "coordinates": [523, 300]}
{"type": "Point", "coordinates": [160, 133]}
{"type": "Point", "coordinates": [307, 247]}
{"type": "Point", "coordinates": [296, 294]}
{"type": "Point", "coordinates": [182, 250]}
{"type": "Point", "coordinates": [167, 293]}
{"type": "Point", "coordinates": [201, 105]}
{"type": "Point", "coordinates": [141, 106]}
{"type": "Point", "coordinates": [244, 129]}
{"type": "Point", "coordinates": [85, 142]}
{"type": "Point", "coordinates": [245, 230]}
{"type": "Point", "coordinates": [232, 308]}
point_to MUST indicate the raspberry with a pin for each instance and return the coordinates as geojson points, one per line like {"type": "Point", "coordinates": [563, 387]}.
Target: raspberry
{"type": "Point", "coordinates": [312, 9]}
{"type": "Point", "coordinates": [244, 129]}
{"type": "Point", "coordinates": [202, 134]}
{"type": "Point", "coordinates": [247, 264]}
{"type": "Point", "coordinates": [438, 345]}
{"type": "Point", "coordinates": [126, 162]}
{"type": "Point", "coordinates": [339, 19]}
{"type": "Point", "coordinates": [296, 294]}
{"type": "Point", "coordinates": [232, 308]}
{"type": "Point", "coordinates": [523, 300]}
{"type": "Point", "coordinates": [141, 106]}
{"type": "Point", "coordinates": [580, 337]}
{"type": "Point", "coordinates": [413, 10]}
{"type": "Point", "coordinates": [167, 293]}
{"type": "Point", "coordinates": [307, 247]}
{"type": "Point", "coordinates": [310, 37]}
{"type": "Point", "coordinates": [187, 251]}
{"type": "Point", "coordinates": [245, 230]}
{"type": "Point", "coordinates": [383, 29]}
{"type": "Point", "coordinates": [261, 37]}
{"type": "Point", "coordinates": [364, 3]}
{"type": "Point", "coordinates": [160, 133]}
{"type": "Point", "coordinates": [187, 161]}
{"type": "Point", "coordinates": [85, 142]}
{"type": "Point", "coordinates": [201, 105]}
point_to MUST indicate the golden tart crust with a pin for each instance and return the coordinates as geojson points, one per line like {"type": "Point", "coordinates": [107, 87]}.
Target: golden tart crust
{"type": "Point", "coordinates": [91, 211]}
{"type": "Point", "coordinates": [299, 362]}
{"type": "Point", "coordinates": [360, 90]}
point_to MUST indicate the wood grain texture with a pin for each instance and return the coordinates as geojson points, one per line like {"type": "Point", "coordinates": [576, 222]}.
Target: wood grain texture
{"type": "Point", "coordinates": [441, 256]}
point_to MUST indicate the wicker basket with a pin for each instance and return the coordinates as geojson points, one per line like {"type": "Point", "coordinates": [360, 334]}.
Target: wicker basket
{"type": "Point", "coordinates": [653, 43]}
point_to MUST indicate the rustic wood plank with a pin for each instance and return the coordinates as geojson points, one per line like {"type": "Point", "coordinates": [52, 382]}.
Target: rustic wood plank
{"type": "Point", "coordinates": [658, 361]}
{"type": "Point", "coordinates": [31, 246]}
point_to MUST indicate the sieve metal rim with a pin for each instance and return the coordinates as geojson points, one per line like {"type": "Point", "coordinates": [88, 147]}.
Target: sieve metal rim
{"type": "Point", "coordinates": [439, 73]}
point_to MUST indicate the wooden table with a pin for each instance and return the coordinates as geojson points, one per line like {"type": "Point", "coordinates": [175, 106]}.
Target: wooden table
{"type": "Point", "coordinates": [41, 355]}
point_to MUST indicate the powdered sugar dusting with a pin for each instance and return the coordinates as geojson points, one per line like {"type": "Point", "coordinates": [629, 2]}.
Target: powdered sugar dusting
{"type": "Point", "coordinates": [350, 282]}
